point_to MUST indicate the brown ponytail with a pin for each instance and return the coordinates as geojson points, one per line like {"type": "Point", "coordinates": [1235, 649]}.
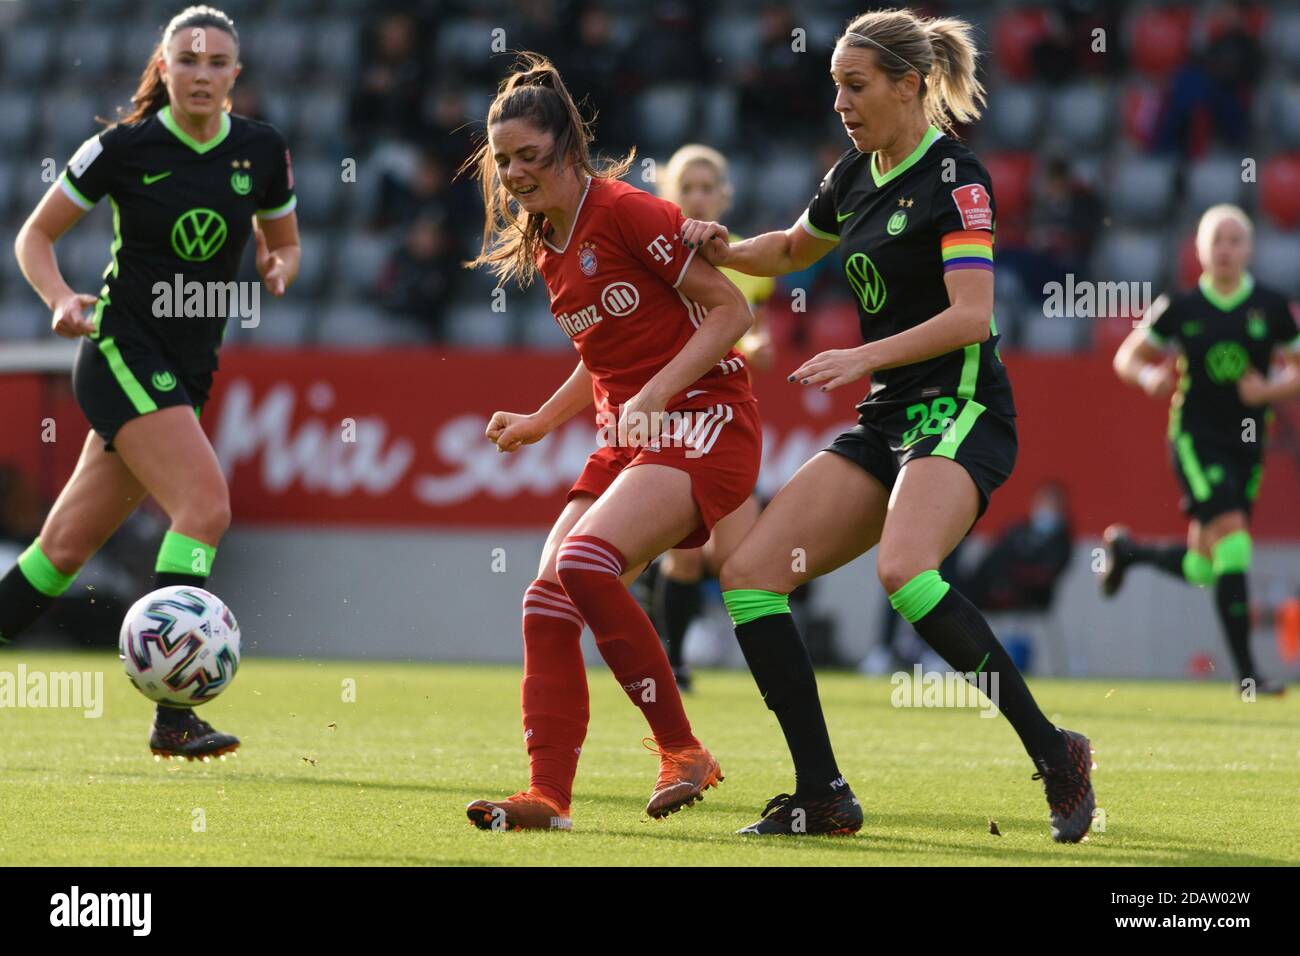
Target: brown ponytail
{"type": "Point", "coordinates": [534, 92]}
{"type": "Point", "coordinates": [151, 92]}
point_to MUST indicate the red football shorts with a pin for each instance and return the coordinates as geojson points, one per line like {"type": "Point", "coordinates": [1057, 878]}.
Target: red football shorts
{"type": "Point", "coordinates": [720, 447]}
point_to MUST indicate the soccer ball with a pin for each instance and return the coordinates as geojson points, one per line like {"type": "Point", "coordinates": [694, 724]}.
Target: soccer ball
{"type": "Point", "coordinates": [180, 645]}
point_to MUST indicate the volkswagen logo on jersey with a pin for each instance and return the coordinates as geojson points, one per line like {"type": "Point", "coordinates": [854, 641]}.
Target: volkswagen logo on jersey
{"type": "Point", "coordinates": [1226, 362]}
{"type": "Point", "coordinates": [587, 259]}
{"type": "Point", "coordinates": [198, 234]}
{"type": "Point", "coordinates": [620, 299]}
{"type": "Point", "coordinates": [867, 283]}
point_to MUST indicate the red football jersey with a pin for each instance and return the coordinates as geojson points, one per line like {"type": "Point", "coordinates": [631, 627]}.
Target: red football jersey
{"type": "Point", "coordinates": [613, 289]}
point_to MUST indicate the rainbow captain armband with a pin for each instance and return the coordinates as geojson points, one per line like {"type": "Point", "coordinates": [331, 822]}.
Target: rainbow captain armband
{"type": "Point", "coordinates": [967, 250]}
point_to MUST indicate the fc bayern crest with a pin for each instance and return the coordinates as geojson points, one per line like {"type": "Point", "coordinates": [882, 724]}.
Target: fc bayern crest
{"type": "Point", "coordinates": [587, 259]}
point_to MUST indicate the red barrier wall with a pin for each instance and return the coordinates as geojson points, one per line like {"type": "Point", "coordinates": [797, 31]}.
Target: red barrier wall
{"type": "Point", "coordinates": [419, 458]}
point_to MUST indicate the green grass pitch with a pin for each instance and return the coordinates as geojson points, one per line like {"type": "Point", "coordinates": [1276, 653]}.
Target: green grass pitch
{"type": "Point", "coordinates": [1188, 774]}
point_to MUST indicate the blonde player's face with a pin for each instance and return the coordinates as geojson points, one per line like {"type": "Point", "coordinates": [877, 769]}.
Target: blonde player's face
{"type": "Point", "coordinates": [700, 192]}
{"type": "Point", "coordinates": [522, 154]}
{"type": "Point", "coordinates": [1229, 250]}
{"type": "Point", "coordinates": [199, 68]}
{"type": "Point", "coordinates": [869, 103]}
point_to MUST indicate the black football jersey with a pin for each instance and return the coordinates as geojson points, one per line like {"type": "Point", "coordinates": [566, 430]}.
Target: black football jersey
{"type": "Point", "coordinates": [890, 228]}
{"type": "Point", "coordinates": [180, 208]}
{"type": "Point", "coordinates": [1219, 338]}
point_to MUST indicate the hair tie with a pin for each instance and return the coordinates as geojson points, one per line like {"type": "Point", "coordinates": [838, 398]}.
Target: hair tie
{"type": "Point", "coordinates": [887, 50]}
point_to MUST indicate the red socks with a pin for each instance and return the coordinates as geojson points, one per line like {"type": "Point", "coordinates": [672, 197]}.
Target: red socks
{"type": "Point", "coordinates": [554, 691]}
{"type": "Point", "coordinates": [588, 568]}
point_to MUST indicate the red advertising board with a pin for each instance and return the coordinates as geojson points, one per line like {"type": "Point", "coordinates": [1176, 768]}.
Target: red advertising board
{"type": "Point", "coordinates": [329, 437]}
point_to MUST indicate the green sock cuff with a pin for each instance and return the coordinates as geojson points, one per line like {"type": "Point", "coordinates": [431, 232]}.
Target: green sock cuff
{"type": "Point", "coordinates": [745, 605]}
{"type": "Point", "coordinates": [1232, 553]}
{"type": "Point", "coordinates": [181, 554]}
{"type": "Point", "coordinates": [1198, 569]}
{"type": "Point", "coordinates": [42, 575]}
{"type": "Point", "coordinates": [917, 598]}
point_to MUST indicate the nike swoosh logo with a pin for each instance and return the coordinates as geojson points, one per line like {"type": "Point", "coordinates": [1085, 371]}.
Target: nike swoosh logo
{"type": "Point", "coordinates": [150, 180]}
{"type": "Point", "coordinates": [840, 217]}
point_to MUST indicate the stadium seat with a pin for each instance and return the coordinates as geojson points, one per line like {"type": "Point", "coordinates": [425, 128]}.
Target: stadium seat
{"type": "Point", "coordinates": [1280, 190]}
{"type": "Point", "coordinates": [1284, 115]}
{"type": "Point", "coordinates": [317, 265]}
{"type": "Point", "coordinates": [719, 105]}
{"type": "Point", "coordinates": [280, 322]}
{"type": "Point", "coordinates": [362, 257]}
{"type": "Point", "coordinates": [275, 50]}
{"type": "Point", "coordinates": [473, 326]}
{"type": "Point", "coordinates": [1126, 255]}
{"type": "Point", "coordinates": [665, 116]}
{"type": "Point", "coordinates": [23, 317]}
{"type": "Point", "coordinates": [540, 331]}
{"type": "Point", "coordinates": [1081, 115]}
{"type": "Point", "coordinates": [17, 116]}
{"type": "Point", "coordinates": [282, 108]}
{"type": "Point", "coordinates": [1140, 106]}
{"type": "Point", "coordinates": [1277, 255]}
{"type": "Point", "coordinates": [1015, 116]}
{"type": "Point", "coordinates": [1160, 40]}
{"type": "Point", "coordinates": [733, 39]}
{"type": "Point", "coordinates": [1142, 189]}
{"type": "Point", "coordinates": [334, 48]}
{"type": "Point", "coordinates": [1189, 263]}
{"type": "Point", "coordinates": [1040, 333]}
{"type": "Point", "coordinates": [1283, 39]}
{"type": "Point", "coordinates": [1012, 175]}
{"type": "Point", "coordinates": [135, 41]}
{"type": "Point", "coordinates": [84, 56]}
{"type": "Point", "coordinates": [27, 55]}
{"type": "Point", "coordinates": [321, 191]}
{"type": "Point", "coordinates": [325, 110]}
{"type": "Point", "coordinates": [69, 117]}
{"type": "Point", "coordinates": [781, 184]}
{"type": "Point", "coordinates": [350, 324]}
{"type": "Point", "coordinates": [83, 254]}
{"type": "Point", "coordinates": [1212, 180]}
{"type": "Point", "coordinates": [1014, 36]}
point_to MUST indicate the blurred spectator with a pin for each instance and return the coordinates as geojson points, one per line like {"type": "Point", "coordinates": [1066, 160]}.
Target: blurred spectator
{"type": "Point", "coordinates": [1064, 224]}
{"type": "Point", "coordinates": [1021, 570]}
{"type": "Point", "coordinates": [668, 48]}
{"type": "Point", "coordinates": [428, 194]}
{"type": "Point", "coordinates": [593, 69]}
{"type": "Point", "coordinates": [783, 88]}
{"type": "Point", "coordinates": [1214, 91]}
{"type": "Point", "coordinates": [247, 101]}
{"type": "Point", "coordinates": [420, 278]}
{"type": "Point", "coordinates": [388, 99]}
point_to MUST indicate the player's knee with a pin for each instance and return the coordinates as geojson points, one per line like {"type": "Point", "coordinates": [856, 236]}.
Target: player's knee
{"type": "Point", "coordinates": [895, 570]}
{"type": "Point", "coordinates": [740, 571]}
{"type": "Point", "coordinates": [207, 518]}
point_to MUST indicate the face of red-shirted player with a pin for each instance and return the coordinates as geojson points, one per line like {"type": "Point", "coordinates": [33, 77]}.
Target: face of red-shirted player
{"type": "Point", "coordinates": [700, 192]}
{"type": "Point", "coordinates": [522, 154]}
{"type": "Point", "coordinates": [199, 68]}
{"type": "Point", "coordinates": [1229, 251]}
{"type": "Point", "coordinates": [871, 106]}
